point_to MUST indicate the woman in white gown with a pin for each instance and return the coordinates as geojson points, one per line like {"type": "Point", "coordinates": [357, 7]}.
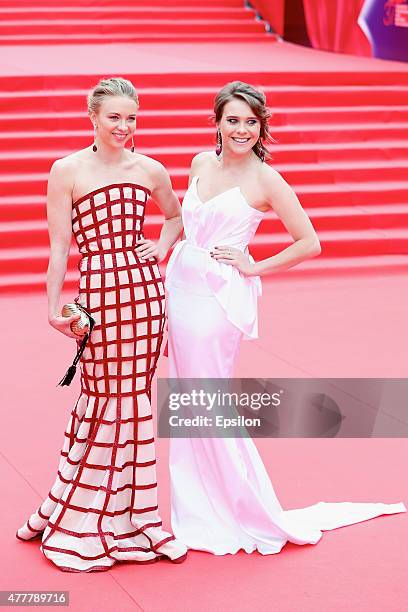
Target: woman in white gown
{"type": "Point", "coordinates": [222, 497]}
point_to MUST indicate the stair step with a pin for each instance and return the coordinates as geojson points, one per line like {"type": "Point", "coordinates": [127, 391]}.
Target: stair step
{"type": "Point", "coordinates": [350, 266]}
{"type": "Point", "coordinates": [130, 12]}
{"type": "Point", "coordinates": [346, 266]}
{"type": "Point", "coordinates": [338, 173]}
{"type": "Point", "coordinates": [34, 232]}
{"type": "Point", "coordinates": [396, 76]}
{"type": "Point", "coordinates": [72, 29]}
{"type": "Point", "coordinates": [327, 172]}
{"type": "Point", "coordinates": [22, 208]}
{"type": "Point", "coordinates": [36, 281]}
{"type": "Point", "coordinates": [346, 218]}
{"type": "Point", "coordinates": [354, 194]}
{"type": "Point", "coordinates": [134, 21]}
{"type": "Point", "coordinates": [340, 132]}
{"type": "Point", "coordinates": [310, 195]}
{"type": "Point", "coordinates": [17, 209]}
{"type": "Point", "coordinates": [295, 119]}
{"type": "Point", "coordinates": [339, 114]}
{"type": "Point", "coordinates": [79, 120]}
{"type": "Point", "coordinates": [203, 34]}
{"type": "Point", "coordinates": [114, 3]}
{"type": "Point", "coordinates": [21, 229]}
{"type": "Point", "coordinates": [381, 154]}
{"type": "Point", "coordinates": [205, 136]}
{"type": "Point", "coordinates": [347, 243]}
{"type": "Point", "coordinates": [153, 98]}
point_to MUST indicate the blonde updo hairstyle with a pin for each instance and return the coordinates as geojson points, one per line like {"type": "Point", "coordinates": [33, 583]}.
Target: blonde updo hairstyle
{"type": "Point", "coordinates": [115, 86]}
{"type": "Point", "coordinates": [256, 100]}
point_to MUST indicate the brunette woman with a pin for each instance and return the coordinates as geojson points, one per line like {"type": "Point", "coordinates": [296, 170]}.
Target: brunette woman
{"type": "Point", "coordinates": [222, 498]}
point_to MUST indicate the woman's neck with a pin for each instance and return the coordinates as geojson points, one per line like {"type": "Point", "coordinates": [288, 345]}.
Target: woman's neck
{"type": "Point", "coordinates": [235, 163]}
{"type": "Point", "coordinates": [110, 156]}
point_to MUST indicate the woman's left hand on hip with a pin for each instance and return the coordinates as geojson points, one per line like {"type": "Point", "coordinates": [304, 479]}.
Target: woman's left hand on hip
{"type": "Point", "coordinates": [233, 257]}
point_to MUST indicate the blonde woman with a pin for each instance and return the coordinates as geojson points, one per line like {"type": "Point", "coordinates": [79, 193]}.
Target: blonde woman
{"type": "Point", "coordinates": [102, 507]}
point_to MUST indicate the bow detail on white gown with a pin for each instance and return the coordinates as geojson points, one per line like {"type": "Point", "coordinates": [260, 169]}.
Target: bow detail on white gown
{"type": "Point", "coordinates": [228, 219]}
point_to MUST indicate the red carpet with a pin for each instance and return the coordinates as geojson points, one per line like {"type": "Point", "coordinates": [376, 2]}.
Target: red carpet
{"type": "Point", "coordinates": [51, 22]}
{"type": "Point", "coordinates": [362, 567]}
{"type": "Point", "coordinates": [341, 123]}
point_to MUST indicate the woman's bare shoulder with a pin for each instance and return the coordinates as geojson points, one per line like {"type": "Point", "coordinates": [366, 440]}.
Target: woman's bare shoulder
{"type": "Point", "coordinates": [270, 179]}
{"type": "Point", "coordinates": [69, 164]}
{"type": "Point", "coordinates": [148, 164]}
{"type": "Point", "coordinates": [153, 171]}
{"type": "Point", "coordinates": [202, 159]}
{"type": "Point", "coordinates": [270, 175]}
{"type": "Point", "coordinates": [272, 184]}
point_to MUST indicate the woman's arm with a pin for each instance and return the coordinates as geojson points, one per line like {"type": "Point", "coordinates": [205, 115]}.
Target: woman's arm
{"type": "Point", "coordinates": [169, 204]}
{"type": "Point", "coordinates": [286, 205]}
{"type": "Point", "coordinates": [283, 200]}
{"type": "Point", "coordinates": [59, 207]}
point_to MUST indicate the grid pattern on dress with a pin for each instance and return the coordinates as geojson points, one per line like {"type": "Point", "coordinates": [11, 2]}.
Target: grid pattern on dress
{"type": "Point", "coordinates": [103, 504]}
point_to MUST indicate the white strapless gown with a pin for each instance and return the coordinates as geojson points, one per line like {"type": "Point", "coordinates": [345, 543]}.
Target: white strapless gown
{"type": "Point", "coordinates": [222, 497]}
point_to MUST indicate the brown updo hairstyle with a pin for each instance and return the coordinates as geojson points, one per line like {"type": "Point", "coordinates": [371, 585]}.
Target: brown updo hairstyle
{"type": "Point", "coordinates": [114, 86]}
{"type": "Point", "coordinates": [256, 100]}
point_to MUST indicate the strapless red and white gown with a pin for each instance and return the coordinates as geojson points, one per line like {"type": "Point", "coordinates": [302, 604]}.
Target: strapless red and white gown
{"type": "Point", "coordinates": [103, 507]}
{"type": "Point", "coordinates": [222, 497]}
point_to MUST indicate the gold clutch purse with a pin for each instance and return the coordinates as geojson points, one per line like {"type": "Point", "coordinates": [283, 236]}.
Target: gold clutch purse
{"type": "Point", "coordinates": [85, 323]}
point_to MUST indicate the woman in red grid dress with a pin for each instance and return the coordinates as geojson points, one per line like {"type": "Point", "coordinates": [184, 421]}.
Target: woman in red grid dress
{"type": "Point", "coordinates": [103, 507]}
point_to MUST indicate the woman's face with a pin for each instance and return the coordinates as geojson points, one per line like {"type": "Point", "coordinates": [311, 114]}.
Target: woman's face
{"type": "Point", "coordinates": [239, 127]}
{"type": "Point", "coordinates": [115, 121]}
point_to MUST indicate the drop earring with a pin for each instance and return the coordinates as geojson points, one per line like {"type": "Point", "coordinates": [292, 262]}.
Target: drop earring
{"type": "Point", "coordinates": [132, 148]}
{"type": "Point", "coordinates": [94, 147]}
{"type": "Point", "coordinates": [219, 144]}
{"type": "Point", "coordinates": [260, 151]}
